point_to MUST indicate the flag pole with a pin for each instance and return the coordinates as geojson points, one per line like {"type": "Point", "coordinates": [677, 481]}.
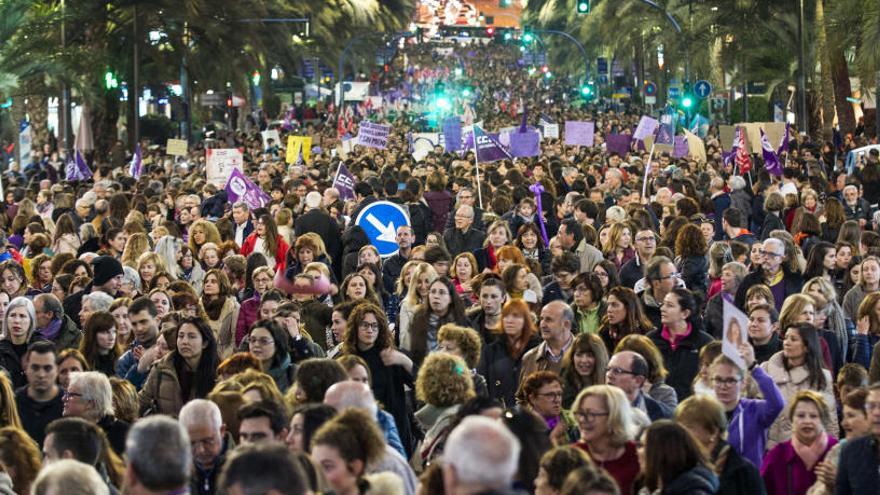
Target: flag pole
{"type": "Point", "coordinates": [477, 165]}
{"type": "Point", "coordinates": [648, 170]}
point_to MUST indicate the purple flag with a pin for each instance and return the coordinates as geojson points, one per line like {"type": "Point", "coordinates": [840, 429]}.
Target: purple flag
{"type": "Point", "coordinates": [525, 119]}
{"type": "Point", "coordinates": [646, 128]}
{"type": "Point", "coordinates": [525, 144]}
{"type": "Point", "coordinates": [452, 133]}
{"type": "Point", "coordinates": [136, 166]}
{"type": "Point", "coordinates": [783, 146]}
{"type": "Point", "coordinates": [344, 183]}
{"type": "Point", "coordinates": [71, 171]}
{"type": "Point", "coordinates": [240, 188]}
{"type": "Point", "coordinates": [771, 160]}
{"type": "Point", "coordinates": [488, 148]}
{"type": "Point", "coordinates": [83, 170]}
{"type": "Point", "coordinates": [579, 133]}
{"type": "Point", "coordinates": [680, 149]}
{"type": "Point", "coordinates": [618, 143]}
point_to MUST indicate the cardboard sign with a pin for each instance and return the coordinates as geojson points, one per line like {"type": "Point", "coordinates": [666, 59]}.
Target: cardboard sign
{"type": "Point", "coordinates": [176, 147]}
{"type": "Point", "coordinates": [220, 163]}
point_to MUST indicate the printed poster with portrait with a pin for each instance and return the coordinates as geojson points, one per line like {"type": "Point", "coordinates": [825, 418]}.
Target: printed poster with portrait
{"type": "Point", "coordinates": [736, 333]}
{"type": "Point", "coordinates": [221, 163]}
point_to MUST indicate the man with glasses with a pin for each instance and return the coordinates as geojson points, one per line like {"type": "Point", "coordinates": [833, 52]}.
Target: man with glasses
{"type": "Point", "coordinates": [463, 237]}
{"type": "Point", "coordinates": [209, 441]}
{"type": "Point", "coordinates": [858, 470]}
{"type": "Point", "coordinates": [40, 402]}
{"type": "Point", "coordinates": [633, 270]}
{"type": "Point", "coordinates": [661, 277]}
{"type": "Point", "coordinates": [773, 273]}
{"type": "Point", "coordinates": [467, 196]}
{"type": "Point", "coordinates": [628, 371]}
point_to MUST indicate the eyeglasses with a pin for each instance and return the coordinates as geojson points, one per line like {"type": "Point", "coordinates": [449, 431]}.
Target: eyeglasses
{"type": "Point", "coordinates": [551, 395]}
{"type": "Point", "coordinates": [671, 275]}
{"type": "Point", "coordinates": [261, 341]}
{"type": "Point", "coordinates": [725, 382]}
{"type": "Point", "coordinates": [589, 416]}
{"type": "Point", "coordinates": [770, 253]}
{"type": "Point", "coordinates": [366, 325]}
{"type": "Point", "coordinates": [68, 394]}
{"type": "Point", "coordinates": [618, 371]}
{"type": "Point", "coordinates": [872, 406]}
{"type": "Point", "coordinates": [649, 238]}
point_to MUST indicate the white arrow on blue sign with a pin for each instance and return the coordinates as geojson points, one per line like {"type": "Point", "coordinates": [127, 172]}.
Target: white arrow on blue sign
{"type": "Point", "coordinates": [380, 221]}
{"type": "Point", "coordinates": [702, 88]}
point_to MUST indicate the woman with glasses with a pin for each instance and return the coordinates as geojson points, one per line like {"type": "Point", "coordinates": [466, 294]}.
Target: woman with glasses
{"type": "Point", "coordinates": [248, 312]}
{"type": "Point", "coordinates": [623, 315]}
{"type": "Point", "coordinates": [367, 335]}
{"type": "Point", "coordinates": [749, 419]}
{"type": "Point", "coordinates": [542, 393]}
{"type": "Point", "coordinates": [608, 276]}
{"type": "Point", "coordinates": [265, 239]}
{"type": "Point", "coordinates": [680, 339]}
{"type": "Point", "coordinates": [99, 345]}
{"type": "Point", "coordinates": [589, 308]}
{"type": "Point", "coordinates": [607, 432]}
{"type": "Point", "coordinates": [501, 362]}
{"type": "Point", "coordinates": [186, 373]}
{"type": "Point", "coordinates": [267, 341]}
{"type": "Point", "coordinates": [798, 367]}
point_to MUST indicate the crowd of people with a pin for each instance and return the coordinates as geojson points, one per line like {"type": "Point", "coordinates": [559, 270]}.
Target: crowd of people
{"type": "Point", "coordinates": [158, 338]}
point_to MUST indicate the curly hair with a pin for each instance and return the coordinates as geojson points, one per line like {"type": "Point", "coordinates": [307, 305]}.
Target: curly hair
{"type": "Point", "coordinates": [316, 375]}
{"type": "Point", "coordinates": [350, 342]}
{"type": "Point", "coordinates": [354, 434]}
{"type": "Point", "coordinates": [444, 380]}
{"type": "Point", "coordinates": [690, 241]}
{"type": "Point", "coordinates": [466, 339]}
{"type": "Point", "coordinates": [532, 383]}
{"type": "Point", "coordinates": [239, 363]}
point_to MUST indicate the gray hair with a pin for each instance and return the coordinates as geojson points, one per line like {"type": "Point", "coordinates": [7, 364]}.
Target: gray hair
{"type": "Point", "coordinates": [349, 393]}
{"type": "Point", "coordinates": [94, 387]}
{"type": "Point", "coordinates": [69, 477]}
{"type": "Point", "coordinates": [28, 306]}
{"type": "Point", "coordinates": [159, 453]}
{"type": "Point", "coordinates": [199, 412]}
{"type": "Point", "coordinates": [467, 210]}
{"type": "Point", "coordinates": [100, 301]}
{"type": "Point", "coordinates": [738, 269]}
{"type": "Point", "coordinates": [736, 183]}
{"type": "Point", "coordinates": [131, 276]}
{"type": "Point", "coordinates": [241, 205]}
{"type": "Point", "coordinates": [778, 242]}
{"type": "Point", "coordinates": [482, 452]}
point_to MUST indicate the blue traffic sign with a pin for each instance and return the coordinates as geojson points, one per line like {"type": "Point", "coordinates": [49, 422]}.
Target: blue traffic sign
{"type": "Point", "coordinates": [674, 92]}
{"type": "Point", "coordinates": [380, 221]}
{"type": "Point", "coordinates": [702, 88]}
{"type": "Point", "coordinates": [650, 88]}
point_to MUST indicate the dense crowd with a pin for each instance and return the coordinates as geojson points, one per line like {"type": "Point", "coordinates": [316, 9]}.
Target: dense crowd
{"type": "Point", "coordinates": [158, 338]}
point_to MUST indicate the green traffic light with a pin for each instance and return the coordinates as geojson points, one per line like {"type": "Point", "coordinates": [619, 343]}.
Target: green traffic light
{"type": "Point", "coordinates": [443, 103]}
{"type": "Point", "coordinates": [583, 7]}
{"type": "Point", "coordinates": [507, 36]}
{"type": "Point", "coordinates": [457, 71]}
{"type": "Point", "coordinates": [465, 92]}
{"type": "Point", "coordinates": [687, 102]}
{"type": "Point", "coordinates": [528, 37]}
{"type": "Point", "coordinates": [586, 91]}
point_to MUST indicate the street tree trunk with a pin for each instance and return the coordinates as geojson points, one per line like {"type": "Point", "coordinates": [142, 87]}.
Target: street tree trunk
{"type": "Point", "coordinates": [825, 87]}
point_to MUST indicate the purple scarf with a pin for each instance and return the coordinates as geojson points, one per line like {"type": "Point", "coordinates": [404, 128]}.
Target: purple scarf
{"type": "Point", "coordinates": [52, 330]}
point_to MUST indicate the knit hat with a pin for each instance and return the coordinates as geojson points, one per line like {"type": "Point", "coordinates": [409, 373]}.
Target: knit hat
{"type": "Point", "coordinates": [105, 268]}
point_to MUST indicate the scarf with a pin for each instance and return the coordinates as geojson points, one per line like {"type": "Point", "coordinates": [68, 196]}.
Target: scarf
{"type": "Point", "coordinates": [810, 454]}
{"type": "Point", "coordinates": [52, 330]}
{"type": "Point", "coordinates": [490, 251]}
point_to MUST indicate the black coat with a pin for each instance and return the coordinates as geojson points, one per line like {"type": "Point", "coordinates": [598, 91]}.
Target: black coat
{"type": "Point", "coordinates": [10, 361]}
{"type": "Point", "coordinates": [502, 370]}
{"type": "Point", "coordinates": [857, 471]}
{"type": "Point", "coordinates": [458, 242]}
{"type": "Point", "coordinates": [116, 431]}
{"type": "Point", "coordinates": [698, 480]}
{"type": "Point", "coordinates": [35, 416]}
{"type": "Point", "coordinates": [793, 285]}
{"type": "Point", "coordinates": [683, 363]}
{"type": "Point", "coordinates": [771, 222]}
{"type": "Point", "coordinates": [388, 388]}
{"type": "Point", "coordinates": [737, 475]}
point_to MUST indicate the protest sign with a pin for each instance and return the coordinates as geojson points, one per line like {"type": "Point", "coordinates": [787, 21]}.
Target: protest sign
{"type": "Point", "coordinates": [618, 143]}
{"type": "Point", "coordinates": [297, 145]}
{"type": "Point", "coordinates": [240, 188]}
{"type": "Point", "coordinates": [452, 134]}
{"type": "Point", "coordinates": [725, 135]}
{"type": "Point", "coordinates": [220, 163]}
{"type": "Point", "coordinates": [176, 147]}
{"type": "Point", "coordinates": [646, 127]}
{"type": "Point", "coordinates": [525, 144]}
{"type": "Point", "coordinates": [550, 131]}
{"type": "Point", "coordinates": [680, 149]}
{"type": "Point", "coordinates": [373, 135]}
{"type": "Point", "coordinates": [344, 183]}
{"type": "Point", "coordinates": [423, 143]}
{"type": "Point", "coordinates": [752, 132]}
{"type": "Point", "coordinates": [270, 134]}
{"type": "Point", "coordinates": [579, 133]}
{"type": "Point", "coordinates": [696, 147]}
{"type": "Point", "coordinates": [735, 325]}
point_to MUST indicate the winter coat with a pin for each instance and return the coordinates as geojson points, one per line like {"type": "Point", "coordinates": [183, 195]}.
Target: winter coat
{"type": "Point", "coordinates": [699, 480]}
{"type": "Point", "coordinates": [683, 362]}
{"type": "Point", "coordinates": [68, 337]}
{"type": "Point", "coordinates": [737, 475]}
{"type": "Point", "coordinates": [281, 248]}
{"type": "Point", "coordinates": [248, 314]}
{"type": "Point", "coordinates": [771, 222]}
{"type": "Point", "coordinates": [501, 370]}
{"type": "Point", "coordinates": [740, 200]}
{"type": "Point", "coordinates": [747, 429]}
{"type": "Point", "coordinates": [694, 272]}
{"type": "Point", "coordinates": [790, 383]}
{"type": "Point", "coordinates": [224, 327]}
{"type": "Point", "coordinates": [440, 203]}
{"type": "Point", "coordinates": [793, 285]}
{"type": "Point", "coordinates": [857, 471]}
{"type": "Point", "coordinates": [10, 361]}
{"type": "Point", "coordinates": [163, 387]}
{"type": "Point", "coordinates": [784, 472]}
{"type": "Point", "coordinates": [319, 222]}
{"type": "Point", "coordinates": [353, 239]}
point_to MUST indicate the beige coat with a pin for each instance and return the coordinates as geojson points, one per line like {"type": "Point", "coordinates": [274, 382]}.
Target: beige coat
{"type": "Point", "coordinates": [224, 328]}
{"type": "Point", "coordinates": [163, 386]}
{"type": "Point", "coordinates": [790, 383]}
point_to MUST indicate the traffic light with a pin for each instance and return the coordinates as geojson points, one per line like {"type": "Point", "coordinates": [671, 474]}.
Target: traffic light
{"type": "Point", "coordinates": [687, 98]}
{"type": "Point", "coordinates": [504, 3]}
{"type": "Point", "coordinates": [110, 81]}
{"type": "Point", "coordinates": [527, 37]}
{"type": "Point", "coordinates": [255, 78]}
{"type": "Point", "coordinates": [490, 31]}
{"type": "Point", "coordinates": [545, 69]}
{"type": "Point", "coordinates": [587, 90]}
{"type": "Point", "coordinates": [466, 92]}
{"type": "Point", "coordinates": [583, 7]}
{"type": "Point", "coordinates": [508, 35]}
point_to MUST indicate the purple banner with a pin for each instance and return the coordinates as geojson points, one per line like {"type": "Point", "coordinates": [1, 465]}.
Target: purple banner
{"type": "Point", "coordinates": [240, 188]}
{"type": "Point", "coordinates": [488, 148]}
{"type": "Point", "coordinates": [452, 133]}
{"type": "Point", "coordinates": [525, 144]}
{"type": "Point", "coordinates": [646, 128]}
{"type": "Point", "coordinates": [344, 183]}
{"type": "Point", "coordinates": [618, 143]}
{"type": "Point", "coordinates": [680, 149]}
{"type": "Point", "coordinates": [771, 160]}
{"type": "Point", "coordinates": [667, 129]}
{"type": "Point", "coordinates": [373, 135]}
{"type": "Point", "coordinates": [579, 133]}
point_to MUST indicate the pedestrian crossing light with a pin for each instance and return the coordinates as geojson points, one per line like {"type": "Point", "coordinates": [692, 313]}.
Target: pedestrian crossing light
{"type": "Point", "coordinates": [583, 7]}
{"type": "Point", "coordinates": [527, 37]}
{"type": "Point", "coordinates": [110, 81]}
{"type": "Point", "coordinates": [490, 31]}
{"type": "Point", "coordinates": [687, 102]}
{"type": "Point", "coordinates": [587, 91]}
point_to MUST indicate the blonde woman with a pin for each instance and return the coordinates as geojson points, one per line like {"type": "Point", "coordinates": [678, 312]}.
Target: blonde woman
{"type": "Point", "coordinates": [420, 280]}
{"type": "Point", "coordinates": [137, 244]}
{"type": "Point", "coordinates": [148, 265]}
{"type": "Point", "coordinates": [819, 287]}
{"type": "Point", "coordinates": [201, 232]}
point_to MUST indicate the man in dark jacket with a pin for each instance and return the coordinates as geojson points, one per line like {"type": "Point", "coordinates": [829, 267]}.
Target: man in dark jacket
{"type": "Point", "coordinates": [210, 444]}
{"type": "Point", "coordinates": [319, 222]}
{"type": "Point", "coordinates": [363, 196]}
{"type": "Point", "coordinates": [733, 223]}
{"type": "Point", "coordinates": [108, 275]}
{"type": "Point", "coordinates": [720, 203]}
{"type": "Point", "coordinates": [392, 265]}
{"type": "Point", "coordinates": [40, 402]}
{"type": "Point", "coordinates": [773, 273]}
{"type": "Point", "coordinates": [463, 237]}
{"type": "Point", "coordinates": [628, 371]}
{"type": "Point", "coordinates": [53, 324]}
{"type": "Point", "coordinates": [858, 470]}
{"type": "Point", "coordinates": [633, 270]}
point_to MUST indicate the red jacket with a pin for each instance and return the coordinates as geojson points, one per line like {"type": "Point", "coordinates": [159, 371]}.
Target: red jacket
{"type": "Point", "coordinates": [280, 251]}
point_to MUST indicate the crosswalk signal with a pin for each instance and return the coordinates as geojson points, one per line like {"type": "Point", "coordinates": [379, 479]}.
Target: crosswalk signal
{"type": "Point", "coordinates": [490, 31]}
{"type": "Point", "coordinates": [583, 7]}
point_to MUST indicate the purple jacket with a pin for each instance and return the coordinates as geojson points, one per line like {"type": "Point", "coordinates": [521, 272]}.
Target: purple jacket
{"type": "Point", "coordinates": [747, 432]}
{"type": "Point", "coordinates": [782, 464]}
{"type": "Point", "coordinates": [248, 314]}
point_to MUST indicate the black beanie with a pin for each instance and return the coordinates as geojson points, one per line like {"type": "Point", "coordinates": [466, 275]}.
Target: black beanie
{"type": "Point", "coordinates": [105, 268]}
